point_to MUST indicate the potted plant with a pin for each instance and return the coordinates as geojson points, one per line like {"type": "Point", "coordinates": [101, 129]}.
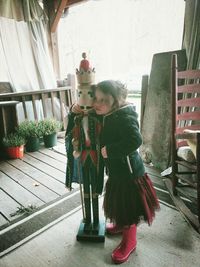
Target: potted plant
{"type": "Point", "coordinates": [49, 128]}
{"type": "Point", "coordinates": [14, 145]}
{"type": "Point", "coordinates": [30, 131]}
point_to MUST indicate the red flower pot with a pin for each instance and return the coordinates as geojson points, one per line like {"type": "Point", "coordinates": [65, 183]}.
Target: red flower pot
{"type": "Point", "coordinates": [15, 152]}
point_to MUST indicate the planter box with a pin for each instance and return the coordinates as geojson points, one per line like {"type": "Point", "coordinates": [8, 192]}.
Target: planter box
{"type": "Point", "coordinates": [15, 152]}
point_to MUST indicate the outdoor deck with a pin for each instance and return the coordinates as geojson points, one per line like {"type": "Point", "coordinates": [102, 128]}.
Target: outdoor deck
{"type": "Point", "coordinates": [33, 198]}
{"type": "Point", "coordinates": [37, 180]}
{"type": "Point", "coordinates": [30, 183]}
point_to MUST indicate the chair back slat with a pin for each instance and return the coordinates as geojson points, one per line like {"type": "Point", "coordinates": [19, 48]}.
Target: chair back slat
{"type": "Point", "coordinates": [185, 100]}
{"type": "Point", "coordinates": [188, 102]}
{"type": "Point", "coordinates": [189, 74]}
{"type": "Point", "coordinates": [188, 116]}
{"type": "Point", "coordinates": [189, 88]}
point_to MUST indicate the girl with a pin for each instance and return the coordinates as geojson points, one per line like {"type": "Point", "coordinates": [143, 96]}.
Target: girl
{"type": "Point", "coordinates": [129, 193]}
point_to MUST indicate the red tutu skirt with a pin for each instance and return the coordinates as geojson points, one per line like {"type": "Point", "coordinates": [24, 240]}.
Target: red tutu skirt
{"type": "Point", "coordinates": [131, 201]}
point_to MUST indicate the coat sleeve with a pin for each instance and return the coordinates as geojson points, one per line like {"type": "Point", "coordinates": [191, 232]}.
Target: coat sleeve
{"type": "Point", "coordinates": [68, 133]}
{"type": "Point", "coordinates": [130, 139]}
{"type": "Point", "coordinates": [70, 124]}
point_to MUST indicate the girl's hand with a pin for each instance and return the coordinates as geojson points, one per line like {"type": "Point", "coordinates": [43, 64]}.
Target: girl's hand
{"type": "Point", "coordinates": [104, 152]}
{"type": "Point", "coordinates": [76, 109]}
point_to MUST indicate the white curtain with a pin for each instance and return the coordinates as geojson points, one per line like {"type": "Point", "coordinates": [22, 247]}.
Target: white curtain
{"type": "Point", "coordinates": [24, 55]}
{"type": "Point", "coordinates": [16, 53]}
{"type": "Point", "coordinates": [25, 60]}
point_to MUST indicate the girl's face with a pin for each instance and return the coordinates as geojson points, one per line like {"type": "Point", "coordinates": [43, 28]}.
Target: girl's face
{"type": "Point", "coordinates": [103, 103]}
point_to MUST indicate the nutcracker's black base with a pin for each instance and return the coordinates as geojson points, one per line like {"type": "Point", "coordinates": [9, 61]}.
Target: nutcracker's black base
{"type": "Point", "coordinates": [91, 232]}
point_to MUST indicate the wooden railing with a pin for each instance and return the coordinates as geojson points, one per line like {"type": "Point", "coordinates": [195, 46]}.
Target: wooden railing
{"type": "Point", "coordinates": [48, 101]}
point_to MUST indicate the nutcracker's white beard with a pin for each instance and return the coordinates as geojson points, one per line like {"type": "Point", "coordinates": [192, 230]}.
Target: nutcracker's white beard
{"type": "Point", "coordinates": [85, 129]}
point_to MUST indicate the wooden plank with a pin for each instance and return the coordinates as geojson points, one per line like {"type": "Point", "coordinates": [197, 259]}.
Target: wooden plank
{"type": "Point", "coordinates": [20, 194]}
{"type": "Point", "coordinates": [60, 149]}
{"type": "Point", "coordinates": [68, 98]}
{"type": "Point", "coordinates": [8, 206]}
{"type": "Point", "coordinates": [61, 140]}
{"type": "Point", "coordinates": [62, 109]}
{"type": "Point", "coordinates": [185, 211]}
{"type": "Point", "coordinates": [190, 102]}
{"type": "Point", "coordinates": [30, 93]}
{"type": "Point", "coordinates": [49, 161]}
{"type": "Point", "coordinates": [189, 74]}
{"type": "Point", "coordinates": [34, 107]}
{"type": "Point", "coordinates": [188, 193]}
{"type": "Point", "coordinates": [187, 180]}
{"type": "Point", "coordinates": [195, 115]}
{"type": "Point", "coordinates": [45, 168]}
{"type": "Point", "coordinates": [53, 104]}
{"type": "Point", "coordinates": [8, 103]}
{"type": "Point", "coordinates": [24, 107]}
{"type": "Point", "coordinates": [72, 2]}
{"type": "Point", "coordinates": [189, 88]}
{"type": "Point", "coordinates": [44, 97]}
{"type": "Point", "coordinates": [152, 170]}
{"type": "Point", "coordinates": [188, 165]}
{"type": "Point", "coordinates": [3, 220]}
{"type": "Point", "coordinates": [145, 82]}
{"type": "Point", "coordinates": [39, 190]}
{"type": "Point", "coordinates": [58, 15]}
{"type": "Point", "coordinates": [55, 53]}
{"type": "Point", "coordinates": [39, 176]}
{"type": "Point", "coordinates": [158, 181]}
{"type": "Point", "coordinates": [53, 154]}
{"type": "Point", "coordinates": [4, 121]}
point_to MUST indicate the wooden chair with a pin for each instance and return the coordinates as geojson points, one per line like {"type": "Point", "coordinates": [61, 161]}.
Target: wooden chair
{"type": "Point", "coordinates": [185, 86]}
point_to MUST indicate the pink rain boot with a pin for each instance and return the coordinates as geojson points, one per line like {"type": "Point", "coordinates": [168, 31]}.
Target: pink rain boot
{"type": "Point", "coordinates": [113, 229]}
{"type": "Point", "coordinates": [127, 245]}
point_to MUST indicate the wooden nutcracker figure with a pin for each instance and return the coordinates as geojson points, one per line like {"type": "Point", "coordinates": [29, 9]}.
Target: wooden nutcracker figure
{"type": "Point", "coordinates": [85, 163]}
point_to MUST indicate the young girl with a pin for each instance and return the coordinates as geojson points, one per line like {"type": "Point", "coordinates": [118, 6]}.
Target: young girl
{"type": "Point", "coordinates": [129, 193]}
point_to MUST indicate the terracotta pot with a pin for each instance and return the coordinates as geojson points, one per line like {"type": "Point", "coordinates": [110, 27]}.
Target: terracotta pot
{"type": "Point", "coordinates": [15, 152]}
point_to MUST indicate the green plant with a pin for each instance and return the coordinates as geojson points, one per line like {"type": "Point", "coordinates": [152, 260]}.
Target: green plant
{"type": "Point", "coordinates": [49, 126]}
{"type": "Point", "coordinates": [24, 210]}
{"type": "Point", "coordinates": [13, 140]}
{"type": "Point", "coordinates": [29, 129]}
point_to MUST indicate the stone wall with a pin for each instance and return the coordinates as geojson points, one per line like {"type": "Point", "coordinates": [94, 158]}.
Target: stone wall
{"type": "Point", "coordinates": [156, 127]}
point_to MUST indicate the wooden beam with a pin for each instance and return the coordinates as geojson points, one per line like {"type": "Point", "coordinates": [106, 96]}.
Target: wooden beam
{"type": "Point", "coordinates": [72, 2]}
{"type": "Point", "coordinates": [58, 14]}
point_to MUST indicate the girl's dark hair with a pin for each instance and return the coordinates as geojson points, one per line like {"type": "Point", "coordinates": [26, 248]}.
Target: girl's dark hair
{"type": "Point", "coordinates": [114, 88]}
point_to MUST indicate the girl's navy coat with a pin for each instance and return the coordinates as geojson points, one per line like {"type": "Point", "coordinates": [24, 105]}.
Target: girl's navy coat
{"type": "Point", "coordinates": [122, 139]}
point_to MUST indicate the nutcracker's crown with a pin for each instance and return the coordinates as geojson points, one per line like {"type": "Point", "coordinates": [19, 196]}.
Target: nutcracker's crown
{"type": "Point", "coordinates": [85, 74]}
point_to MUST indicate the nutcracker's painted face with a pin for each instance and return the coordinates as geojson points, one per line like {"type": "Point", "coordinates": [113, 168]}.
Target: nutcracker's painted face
{"type": "Point", "coordinates": [103, 103]}
{"type": "Point", "coordinates": [85, 98]}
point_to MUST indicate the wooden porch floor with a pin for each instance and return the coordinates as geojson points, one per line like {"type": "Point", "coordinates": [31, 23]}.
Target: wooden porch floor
{"type": "Point", "coordinates": [33, 194]}
{"type": "Point", "coordinates": [37, 180]}
{"type": "Point", "coordinates": [31, 183]}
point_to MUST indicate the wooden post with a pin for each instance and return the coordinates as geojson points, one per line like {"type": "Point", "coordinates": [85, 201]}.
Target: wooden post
{"type": "Point", "coordinates": [145, 82]}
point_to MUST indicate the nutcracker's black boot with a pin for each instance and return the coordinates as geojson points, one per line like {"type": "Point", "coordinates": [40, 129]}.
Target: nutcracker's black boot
{"type": "Point", "coordinates": [95, 210]}
{"type": "Point", "coordinates": [88, 226]}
